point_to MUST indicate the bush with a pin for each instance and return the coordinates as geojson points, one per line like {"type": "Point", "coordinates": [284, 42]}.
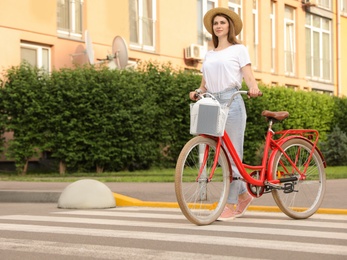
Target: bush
{"type": "Point", "coordinates": [24, 112]}
{"type": "Point", "coordinates": [92, 118]}
{"type": "Point", "coordinates": [335, 148]}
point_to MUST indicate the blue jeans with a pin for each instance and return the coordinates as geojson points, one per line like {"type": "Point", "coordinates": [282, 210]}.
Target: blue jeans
{"type": "Point", "coordinates": [235, 127]}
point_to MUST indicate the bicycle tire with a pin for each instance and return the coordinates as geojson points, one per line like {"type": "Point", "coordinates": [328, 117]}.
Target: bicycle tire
{"type": "Point", "coordinates": [201, 201]}
{"type": "Point", "coordinates": [308, 193]}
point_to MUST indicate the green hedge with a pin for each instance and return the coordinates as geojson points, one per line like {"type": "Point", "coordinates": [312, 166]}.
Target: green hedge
{"type": "Point", "coordinates": [308, 110]}
{"type": "Point", "coordinates": [92, 118]}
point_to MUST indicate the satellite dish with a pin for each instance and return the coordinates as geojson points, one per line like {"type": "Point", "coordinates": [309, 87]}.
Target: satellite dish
{"type": "Point", "coordinates": [89, 47]}
{"type": "Point", "coordinates": [120, 52]}
{"type": "Point", "coordinates": [79, 57]}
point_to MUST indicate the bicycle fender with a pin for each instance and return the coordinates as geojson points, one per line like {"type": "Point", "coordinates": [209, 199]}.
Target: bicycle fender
{"type": "Point", "coordinates": [273, 153]}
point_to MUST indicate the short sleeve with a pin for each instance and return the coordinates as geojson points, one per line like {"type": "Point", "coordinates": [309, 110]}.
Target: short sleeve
{"type": "Point", "coordinates": [244, 58]}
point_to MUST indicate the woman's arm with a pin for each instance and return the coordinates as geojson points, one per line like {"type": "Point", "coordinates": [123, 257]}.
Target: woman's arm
{"type": "Point", "coordinates": [250, 80]}
{"type": "Point", "coordinates": [201, 89]}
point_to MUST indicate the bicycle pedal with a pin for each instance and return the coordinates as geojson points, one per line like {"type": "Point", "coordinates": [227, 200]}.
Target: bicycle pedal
{"type": "Point", "coordinates": [288, 188]}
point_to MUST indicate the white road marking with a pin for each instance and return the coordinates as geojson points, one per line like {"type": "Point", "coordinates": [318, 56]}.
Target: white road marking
{"type": "Point", "coordinates": [229, 228]}
{"type": "Point", "coordinates": [187, 238]}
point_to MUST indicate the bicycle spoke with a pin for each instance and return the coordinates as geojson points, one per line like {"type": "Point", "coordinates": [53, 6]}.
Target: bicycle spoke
{"type": "Point", "coordinates": [200, 200]}
{"type": "Point", "coordinates": [308, 191]}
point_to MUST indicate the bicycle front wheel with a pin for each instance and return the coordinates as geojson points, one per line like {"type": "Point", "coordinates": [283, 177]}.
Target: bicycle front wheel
{"type": "Point", "coordinates": [200, 199]}
{"type": "Point", "coordinates": [308, 192]}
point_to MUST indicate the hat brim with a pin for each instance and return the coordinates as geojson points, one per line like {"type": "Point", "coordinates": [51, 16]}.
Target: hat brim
{"type": "Point", "coordinates": [221, 10]}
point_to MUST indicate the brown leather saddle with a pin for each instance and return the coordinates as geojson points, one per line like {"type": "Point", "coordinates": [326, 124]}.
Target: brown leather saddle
{"type": "Point", "coordinates": [275, 116]}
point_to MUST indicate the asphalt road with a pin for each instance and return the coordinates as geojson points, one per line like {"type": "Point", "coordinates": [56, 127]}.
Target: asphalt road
{"type": "Point", "coordinates": [43, 231]}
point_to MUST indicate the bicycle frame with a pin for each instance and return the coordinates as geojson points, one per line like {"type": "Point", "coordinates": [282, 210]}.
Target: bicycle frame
{"type": "Point", "coordinates": [265, 168]}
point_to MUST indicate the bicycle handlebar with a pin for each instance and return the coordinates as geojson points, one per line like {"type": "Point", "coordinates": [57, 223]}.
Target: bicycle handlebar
{"type": "Point", "coordinates": [242, 92]}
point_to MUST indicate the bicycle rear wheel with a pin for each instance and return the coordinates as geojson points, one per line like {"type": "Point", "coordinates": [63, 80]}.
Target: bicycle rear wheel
{"type": "Point", "coordinates": [200, 200]}
{"type": "Point", "coordinates": [308, 193]}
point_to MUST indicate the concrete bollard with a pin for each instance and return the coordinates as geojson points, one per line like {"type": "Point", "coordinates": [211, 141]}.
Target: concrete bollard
{"type": "Point", "coordinates": [86, 194]}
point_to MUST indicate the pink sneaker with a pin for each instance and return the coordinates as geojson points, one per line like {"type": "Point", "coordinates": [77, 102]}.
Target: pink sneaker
{"type": "Point", "coordinates": [242, 206]}
{"type": "Point", "coordinates": [227, 214]}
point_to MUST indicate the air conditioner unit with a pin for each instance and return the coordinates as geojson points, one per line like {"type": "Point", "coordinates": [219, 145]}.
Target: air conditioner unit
{"type": "Point", "coordinates": [310, 2]}
{"type": "Point", "coordinates": [195, 52]}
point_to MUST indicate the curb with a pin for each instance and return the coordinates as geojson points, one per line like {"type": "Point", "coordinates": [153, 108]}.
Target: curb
{"type": "Point", "coordinates": [125, 201]}
{"type": "Point", "coordinates": [29, 196]}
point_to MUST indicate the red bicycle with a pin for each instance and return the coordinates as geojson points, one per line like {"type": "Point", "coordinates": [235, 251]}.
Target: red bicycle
{"type": "Point", "coordinates": [292, 169]}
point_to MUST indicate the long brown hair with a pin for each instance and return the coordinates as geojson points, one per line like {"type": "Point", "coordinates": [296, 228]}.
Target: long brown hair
{"type": "Point", "coordinates": [231, 35]}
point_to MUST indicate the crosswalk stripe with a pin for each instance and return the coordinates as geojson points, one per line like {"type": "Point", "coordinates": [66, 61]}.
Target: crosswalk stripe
{"type": "Point", "coordinates": [229, 228]}
{"type": "Point", "coordinates": [285, 221]}
{"type": "Point", "coordinates": [187, 238]}
{"type": "Point", "coordinates": [104, 252]}
{"type": "Point", "coordinates": [122, 214]}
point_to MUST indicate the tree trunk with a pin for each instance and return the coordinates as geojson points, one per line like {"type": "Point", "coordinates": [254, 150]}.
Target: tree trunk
{"type": "Point", "coordinates": [25, 168]}
{"type": "Point", "coordinates": [99, 169]}
{"type": "Point", "coordinates": [62, 168]}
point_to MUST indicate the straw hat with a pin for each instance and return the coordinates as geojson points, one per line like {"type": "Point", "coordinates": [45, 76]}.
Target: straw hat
{"type": "Point", "coordinates": [221, 10]}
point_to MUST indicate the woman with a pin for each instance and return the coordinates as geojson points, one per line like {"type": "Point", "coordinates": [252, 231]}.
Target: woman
{"type": "Point", "coordinates": [223, 69]}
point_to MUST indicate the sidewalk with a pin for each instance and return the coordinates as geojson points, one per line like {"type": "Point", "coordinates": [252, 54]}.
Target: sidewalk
{"type": "Point", "coordinates": [159, 194]}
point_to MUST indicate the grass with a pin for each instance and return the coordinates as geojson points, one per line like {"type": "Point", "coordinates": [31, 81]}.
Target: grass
{"type": "Point", "coordinates": [336, 172]}
{"type": "Point", "coordinates": [153, 175]}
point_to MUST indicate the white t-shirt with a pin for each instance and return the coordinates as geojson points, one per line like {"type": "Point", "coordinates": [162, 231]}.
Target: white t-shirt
{"type": "Point", "coordinates": [222, 69]}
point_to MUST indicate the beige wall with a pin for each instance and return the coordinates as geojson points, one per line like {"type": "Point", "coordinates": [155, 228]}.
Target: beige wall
{"type": "Point", "coordinates": [35, 21]}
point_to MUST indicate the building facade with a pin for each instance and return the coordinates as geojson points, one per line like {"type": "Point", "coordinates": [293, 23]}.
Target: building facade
{"type": "Point", "coordinates": [294, 43]}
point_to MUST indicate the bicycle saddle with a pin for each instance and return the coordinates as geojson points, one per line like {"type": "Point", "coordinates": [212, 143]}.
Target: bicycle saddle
{"type": "Point", "coordinates": [278, 116]}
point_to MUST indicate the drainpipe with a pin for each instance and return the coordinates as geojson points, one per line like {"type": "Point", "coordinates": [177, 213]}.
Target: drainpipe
{"type": "Point", "coordinates": [338, 49]}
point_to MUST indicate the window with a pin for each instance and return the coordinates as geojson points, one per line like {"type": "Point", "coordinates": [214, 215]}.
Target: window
{"type": "Point", "coordinates": [293, 87]}
{"type": "Point", "coordinates": [202, 7]}
{"type": "Point", "coordinates": [255, 36]}
{"type": "Point", "coordinates": [236, 6]}
{"type": "Point", "coordinates": [36, 55]}
{"type": "Point", "coordinates": [69, 18]}
{"type": "Point", "coordinates": [327, 4]}
{"type": "Point", "coordinates": [344, 6]}
{"type": "Point", "coordinates": [289, 41]}
{"type": "Point", "coordinates": [320, 91]}
{"type": "Point", "coordinates": [318, 48]}
{"type": "Point", "coordinates": [142, 20]}
{"type": "Point", "coordinates": [273, 35]}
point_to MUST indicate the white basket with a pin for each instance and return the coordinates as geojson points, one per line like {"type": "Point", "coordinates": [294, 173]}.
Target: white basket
{"type": "Point", "coordinates": [207, 116]}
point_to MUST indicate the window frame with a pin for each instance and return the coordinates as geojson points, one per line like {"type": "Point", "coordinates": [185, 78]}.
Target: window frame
{"type": "Point", "coordinates": [71, 31]}
{"type": "Point", "coordinates": [255, 14]}
{"type": "Point", "coordinates": [292, 41]}
{"type": "Point", "coordinates": [203, 36]}
{"type": "Point", "coordinates": [273, 36]}
{"type": "Point", "coordinates": [237, 8]}
{"type": "Point", "coordinates": [310, 60]}
{"type": "Point", "coordinates": [343, 7]}
{"type": "Point", "coordinates": [326, 4]}
{"type": "Point", "coordinates": [140, 45]}
{"type": "Point", "coordinates": [39, 55]}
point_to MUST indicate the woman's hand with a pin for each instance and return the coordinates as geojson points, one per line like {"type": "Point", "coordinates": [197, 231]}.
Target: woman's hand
{"type": "Point", "coordinates": [193, 95]}
{"type": "Point", "coordinates": [254, 92]}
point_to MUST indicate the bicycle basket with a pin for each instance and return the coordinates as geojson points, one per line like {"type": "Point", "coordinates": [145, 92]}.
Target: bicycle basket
{"type": "Point", "coordinates": [207, 116]}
